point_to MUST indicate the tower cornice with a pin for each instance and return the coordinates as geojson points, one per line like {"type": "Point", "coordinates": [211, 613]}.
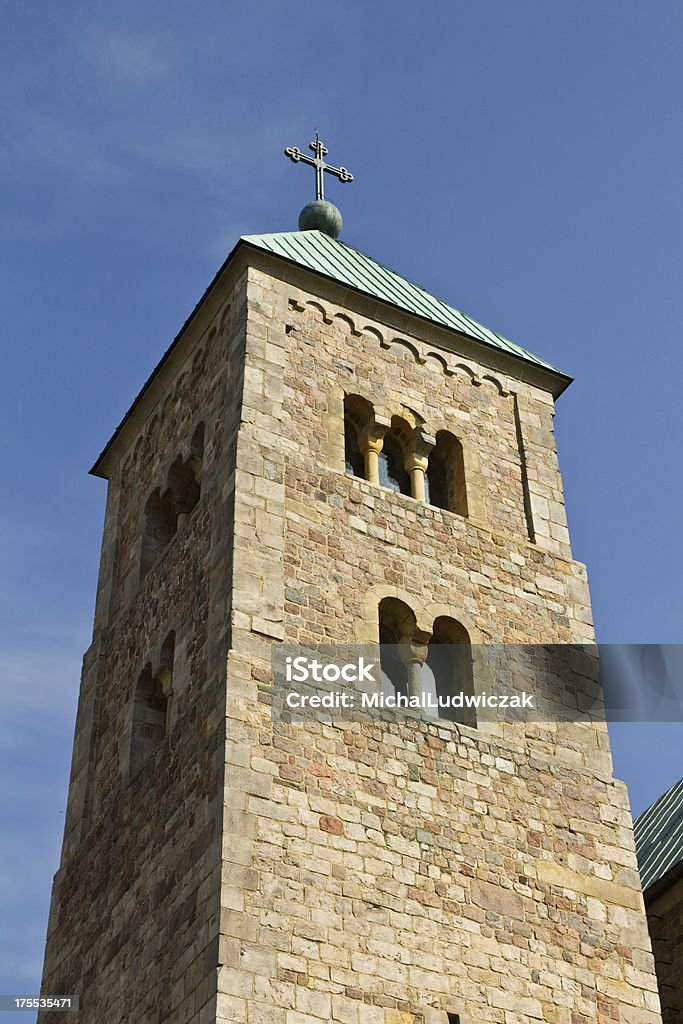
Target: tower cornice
{"type": "Point", "coordinates": [439, 323]}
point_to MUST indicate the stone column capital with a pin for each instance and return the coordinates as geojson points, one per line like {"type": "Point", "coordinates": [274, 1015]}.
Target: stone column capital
{"type": "Point", "coordinates": [421, 443]}
{"type": "Point", "coordinates": [371, 435]}
{"type": "Point", "coordinates": [414, 461]}
{"type": "Point", "coordinates": [414, 649]}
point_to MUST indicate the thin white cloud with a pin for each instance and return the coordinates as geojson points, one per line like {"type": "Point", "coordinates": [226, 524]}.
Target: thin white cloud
{"type": "Point", "coordinates": [125, 61]}
{"type": "Point", "coordinates": [128, 102]}
{"type": "Point", "coordinates": [120, 145]}
{"type": "Point", "coordinates": [50, 139]}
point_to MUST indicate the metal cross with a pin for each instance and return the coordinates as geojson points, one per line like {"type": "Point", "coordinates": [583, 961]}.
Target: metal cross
{"type": "Point", "coordinates": [295, 154]}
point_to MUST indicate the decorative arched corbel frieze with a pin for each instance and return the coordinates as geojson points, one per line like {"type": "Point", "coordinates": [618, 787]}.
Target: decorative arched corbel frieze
{"type": "Point", "coordinates": [490, 379]}
{"type": "Point", "coordinates": [199, 354]}
{"type": "Point", "coordinates": [468, 372]}
{"type": "Point", "coordinates": [374, 333]}
{"type": "Point", "coordinates": [437, 361]}
{"type": "Point", "coordinates": [179, 389]}
{"type": "Point", "coordinates": [429, 358]}
{"type": "Point", "coordinates": [413, 349]}
{"type": "Point", "coordinates": [311, 304]}
{"type": "Point", "coordinates": [349, 323]}
{"type": "Point", "coordinates": [224, 319]}
{"type": "Point", "coordinates": [166, 408]}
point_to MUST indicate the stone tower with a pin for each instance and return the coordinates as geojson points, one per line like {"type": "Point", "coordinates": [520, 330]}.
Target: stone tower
{"type": "Point", "coordinates": [328, 453]}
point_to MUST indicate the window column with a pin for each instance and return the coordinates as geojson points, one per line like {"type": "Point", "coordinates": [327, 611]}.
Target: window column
{"type": "Point", "coordinates": [371, 439]}
{"type": "Point", "coordinates": [417, 460]}
{"type": "Point", "coordinates": [413, 653]}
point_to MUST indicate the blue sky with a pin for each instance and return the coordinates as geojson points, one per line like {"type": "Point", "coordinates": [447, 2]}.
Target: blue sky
{"type": "Point", "coordinates": [522, 161]}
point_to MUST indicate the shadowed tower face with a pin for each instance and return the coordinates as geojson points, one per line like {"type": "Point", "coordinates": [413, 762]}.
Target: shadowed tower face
{"type": "Point", "coordinates": [329, 454]}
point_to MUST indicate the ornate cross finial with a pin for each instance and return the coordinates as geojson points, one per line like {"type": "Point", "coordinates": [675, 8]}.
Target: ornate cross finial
{"type": "Point", "coordinates": [295, 154]}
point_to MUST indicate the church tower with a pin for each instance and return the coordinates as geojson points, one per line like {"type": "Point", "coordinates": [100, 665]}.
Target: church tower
{"type": "Point", "coordinates": [329, 454]}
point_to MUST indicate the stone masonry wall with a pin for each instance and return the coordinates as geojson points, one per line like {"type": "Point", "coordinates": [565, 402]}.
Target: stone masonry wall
{"type": "Point", "coordinates": [134, 919]}
{"type": "Point", "coordinates": [385, 873]}
{"type": "Point", "coordinates": [665, 920]}
{"type": "Point", "coordinates": [393, 873]}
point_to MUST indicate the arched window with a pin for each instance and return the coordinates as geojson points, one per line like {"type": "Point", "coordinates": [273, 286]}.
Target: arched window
{"type": "Point", "coordinates": [166, 510]}
{"type": "Point", "coordinates": [392, 471]}
{"type": "Point", "coordinates": [149, 720]}
{"type": "Point", "coordinates": [183, 488]}
{"type": "Point", "coordinates": [357, 415]}
{"type": "Point", "coordinates": [448, 668]}
{"type": "Point", "coordinates": [158, 528]}
{"type": "Point", "coordinates": [150, 711]}
{"type": "Point", "coordinates": [354, 460]}
{"type": "Point", "coordinates": [445, 476]}
{"type": "Point", "coordinates": [396, 627]}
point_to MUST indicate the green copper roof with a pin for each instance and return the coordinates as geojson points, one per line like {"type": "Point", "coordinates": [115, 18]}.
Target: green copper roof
{"type": "Point", "coordinates": [659, 836]}
{"type": "Point", "coordinates": [324, 255]}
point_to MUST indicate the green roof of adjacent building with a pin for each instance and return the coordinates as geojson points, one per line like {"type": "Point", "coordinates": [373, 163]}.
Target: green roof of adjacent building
{"type": "Point", "coordinates": [659, 836]}
{"type": "Point", "coordinates": [336, 260]}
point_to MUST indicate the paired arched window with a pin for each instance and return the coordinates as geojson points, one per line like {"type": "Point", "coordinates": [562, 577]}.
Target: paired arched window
{"type": "Point", "coordinates": [403, 458]}
{"type": "Point", "coordinates": [437, 666]}
{"type": "Point", "coordinates": [167, 509]}
{"type": "Point", "coordinates": [150, 708]}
